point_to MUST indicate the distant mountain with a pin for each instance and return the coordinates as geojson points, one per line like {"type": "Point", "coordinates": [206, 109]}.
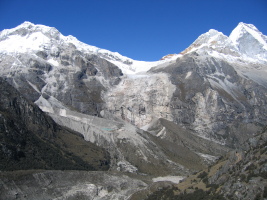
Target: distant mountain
{"type": "Point", "coordinates": [250, 41]}
{"type": "Point", "coordinates": [174, 117]}
{"type": "Point", "coordinates": [245, 42]}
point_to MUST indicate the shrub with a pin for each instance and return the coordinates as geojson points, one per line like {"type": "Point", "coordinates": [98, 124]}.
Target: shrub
{"type": "Point", "coordinates": [202, 175]}
{"type": "Point", "coordinates": [265, 192]}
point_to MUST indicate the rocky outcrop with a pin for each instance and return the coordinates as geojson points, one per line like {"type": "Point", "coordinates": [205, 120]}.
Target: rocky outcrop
{"type": "Point", "coordinates": [138, 99]}
{"type": "Point", "coordinates": [214, 100]}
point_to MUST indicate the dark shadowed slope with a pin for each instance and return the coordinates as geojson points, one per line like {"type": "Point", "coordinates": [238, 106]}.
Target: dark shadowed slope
{"type": "Point", "coordinates": [32, 140]}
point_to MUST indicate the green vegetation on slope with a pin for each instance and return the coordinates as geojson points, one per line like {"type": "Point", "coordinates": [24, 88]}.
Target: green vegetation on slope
{"type": "Point", "coordinates": [241, 174]}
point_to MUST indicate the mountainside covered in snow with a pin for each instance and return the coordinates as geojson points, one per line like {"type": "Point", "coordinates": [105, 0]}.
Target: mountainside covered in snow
{"type": "Point", "coordinates": [168, 117]}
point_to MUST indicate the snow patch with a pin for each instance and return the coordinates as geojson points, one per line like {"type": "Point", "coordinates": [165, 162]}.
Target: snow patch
{"type": "Point", "coordinates": [44, 105]}
{"type": "Point", "coordinates": [173, 179]}
{"type": "Point", "coordinates": [188, 75]}
{"type": "Point", "coordinates": [208, 157]}
{"type": "Point", "coordinates": [53, 62]}
{"type": "Point", "coordinates": [130, 66]}
{"type": "Point", "coordinates": [162, 133]}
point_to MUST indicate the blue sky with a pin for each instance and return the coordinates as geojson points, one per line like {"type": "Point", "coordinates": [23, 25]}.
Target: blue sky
{"type": "Point", "coordinates": [139, 29]}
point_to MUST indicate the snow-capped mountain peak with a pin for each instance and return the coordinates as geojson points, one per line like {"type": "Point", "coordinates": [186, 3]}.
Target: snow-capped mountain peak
{"type": "Point", "coordinates": [245, 41]}
{"type": "Point", "coordinates": [250, 41]}
{"type": "Point", "coordinates": [244, 28]}
{"type": "Point", "coordinates": [29, 37]}
{"type": "Point", "coordinates": [210, 38]}
{"type": "Point", "coordinates": [212, 41]}
{"type": "Point", "coordinates": [27, 28]}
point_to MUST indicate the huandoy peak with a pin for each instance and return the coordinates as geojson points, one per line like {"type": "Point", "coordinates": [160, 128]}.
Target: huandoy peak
{"type": "Point", "coordinates": [243, 28]}
{"type": "Point", "coordinates": [250, 41]}
{"type": "Point", "coordinates": [245, 41]}
{"type": "Point", "coordinates": [212, 42]}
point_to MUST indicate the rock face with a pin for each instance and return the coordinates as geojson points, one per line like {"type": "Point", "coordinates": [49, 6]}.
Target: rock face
{"type": "Point", "coordinates": [214, 100]}
{"type": "Point", "coordinates": [138, 99]}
